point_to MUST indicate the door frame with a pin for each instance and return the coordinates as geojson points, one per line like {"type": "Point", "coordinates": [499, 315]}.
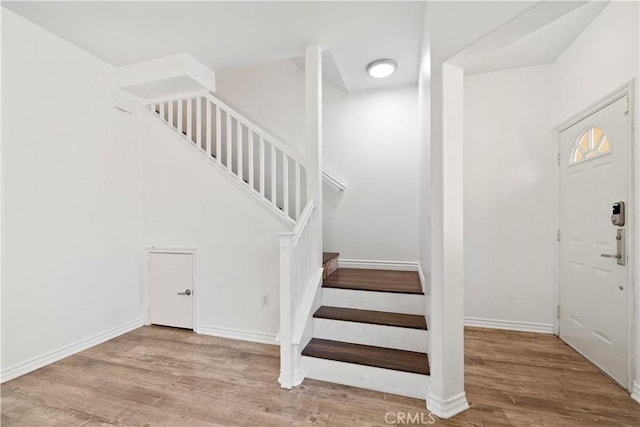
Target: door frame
{"type": "Point", "coordinates": [633, 240]}
{"type": "Point", "coordinates": [148, 251]}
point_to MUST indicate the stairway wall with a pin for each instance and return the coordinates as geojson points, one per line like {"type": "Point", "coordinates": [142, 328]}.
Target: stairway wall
{"type": "Point", "coordinates": [371, 142]}
{"type": "Point", "coordinates": [190, 204]}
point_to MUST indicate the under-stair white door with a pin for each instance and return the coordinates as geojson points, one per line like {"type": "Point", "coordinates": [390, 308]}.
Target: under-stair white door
{"type": "Point", "coordinates": [594, 293]}
{"type": "Point", "coordinates": [170, 289]}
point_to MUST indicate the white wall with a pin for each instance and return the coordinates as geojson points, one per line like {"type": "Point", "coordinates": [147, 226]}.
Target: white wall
{"type": "Point", "coordinates": [508, 196]}
{"type": "Point", "coordinates": [370, 142]}
{"type": "Point", "coordinates": [602, 58]}
{"type": "Point", "coordinates": [190, 204]}
{"type": "Point", "coordinates": [424, 154]}
{"type": "Point", "coordinates": [271, 94]}
{"type": "Point", "coordinates": [72, 216]}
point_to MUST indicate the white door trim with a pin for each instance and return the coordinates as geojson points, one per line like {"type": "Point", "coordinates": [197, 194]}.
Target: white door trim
{"type": "Point", "coordinates": [633, 245]}
{"type": "Point", "coordinates": [171, 250]}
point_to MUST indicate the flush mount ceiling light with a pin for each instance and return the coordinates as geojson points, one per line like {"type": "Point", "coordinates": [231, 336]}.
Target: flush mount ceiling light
{"type": "Point", "coordinates": [382, 68]}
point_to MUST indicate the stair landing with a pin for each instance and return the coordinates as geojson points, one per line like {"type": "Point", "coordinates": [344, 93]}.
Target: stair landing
{"type": "Point", "coordinates": [405, 282]}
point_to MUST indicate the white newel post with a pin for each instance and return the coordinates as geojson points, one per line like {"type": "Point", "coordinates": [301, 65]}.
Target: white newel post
{"type": "Point", "coordinates": [446, 395]}
{"type": "Point", "coordinates": [286, 312]}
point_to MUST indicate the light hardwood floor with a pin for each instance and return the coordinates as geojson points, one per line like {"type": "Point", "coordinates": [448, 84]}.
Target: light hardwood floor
{"type": "Point", "coordinates": [165, 376]}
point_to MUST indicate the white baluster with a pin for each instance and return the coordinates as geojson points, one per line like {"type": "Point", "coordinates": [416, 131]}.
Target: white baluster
{"type": "Point", "coordinates": [285, 186]}
{"type": "Point", "coordinates": [274, 182]}
{"type": "Point", "coordinates": [180, 119]}
{"type": "Point", "coordinates": [250, 163]}
{"type": "Point", "coordinates": [262, 166]}
{"type": "Point", "coordinates": [207, 128]}
{"type": "Point", "coordinates": [219, 135]}
{"type": "Point", "coordinates": [297, 184]}
{"type": "Point", "coordinates": [189, 119]}
{"type": "Point", "coordinates": [162, 110]}
{"type": "Point", "coordinates": [239, 142]}
{"type": "Point", "coordinates": [229, 143]}
{"type": "Point", "coordinates": [199, 122]}
{"type": "Point", "coordinates": [170, 117]}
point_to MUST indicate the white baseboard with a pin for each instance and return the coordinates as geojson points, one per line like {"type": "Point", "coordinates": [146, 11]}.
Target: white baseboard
{"type": "Point", "coordinates": [447, 408]}
{"type": "Point", "coordinates": [379, 265]}
{"type": "Point", "coordinates": [66, 351]}
{"type": "Point", "coordinates": [635, 395]}
{"type": "Point", "coordinates": [237, 334]}
{"type": "Point", "coordinates": [509, 325]}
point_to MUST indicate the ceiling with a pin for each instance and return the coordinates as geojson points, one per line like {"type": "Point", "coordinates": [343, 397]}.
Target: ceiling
{"type": "Point", "coordinates": [542, 46]}
{"type": "Point", "coordinates": [227, 35]}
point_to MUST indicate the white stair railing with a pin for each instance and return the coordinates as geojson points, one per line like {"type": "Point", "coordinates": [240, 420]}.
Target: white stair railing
{"type": "Point", "coordinates": [299, 278]}
{"type": "Point", "coordinates": [270, 169]}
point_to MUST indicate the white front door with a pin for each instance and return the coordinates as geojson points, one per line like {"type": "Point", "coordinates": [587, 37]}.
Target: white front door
{"type": "Point", "coordinates": [594, 158]}
{"type": "Point", "coordinates": [170, 288]}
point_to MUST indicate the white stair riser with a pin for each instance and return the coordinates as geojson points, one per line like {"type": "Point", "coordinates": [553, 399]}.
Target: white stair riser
{"type": "Point", "coordinates": [369, 334]}
{"type": "Point", "coordinates": [368, 377]}
{"type": "Point", "coordinates": [379, 301]}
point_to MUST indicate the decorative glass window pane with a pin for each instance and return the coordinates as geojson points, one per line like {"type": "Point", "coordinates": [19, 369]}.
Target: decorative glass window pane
{"type": "Point", "coordinates": [592, 143]}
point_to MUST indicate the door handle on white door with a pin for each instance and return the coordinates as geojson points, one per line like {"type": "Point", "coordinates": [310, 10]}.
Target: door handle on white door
{"type": "Point", "coordinates": [186, 292]}
{"type": "Point", "coordinates": [621, 249]}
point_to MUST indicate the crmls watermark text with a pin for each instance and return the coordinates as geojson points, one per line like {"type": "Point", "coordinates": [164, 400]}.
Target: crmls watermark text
{"type": "Point", "coordinates": [400, 418]}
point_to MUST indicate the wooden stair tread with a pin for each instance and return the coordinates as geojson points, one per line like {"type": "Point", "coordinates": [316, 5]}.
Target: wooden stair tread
{"type": "Point", "coordinates": [328, 256]}
{"type": "Point", "coordinates": [374, 317]}
{"type": "Point", "coordinates": [405, 282]}
{"type": "Point", "coordinates": [379, 357]}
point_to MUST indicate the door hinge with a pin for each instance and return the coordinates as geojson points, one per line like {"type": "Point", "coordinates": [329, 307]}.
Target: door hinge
{"type": "Point", "coordinates": [558, 159]}
{"type": "Point", "coordinates": [558, 311]}
{"type": "Point", "coordinates": [626, 106]}
{"type": "Point", "coordinates": [558, 235]}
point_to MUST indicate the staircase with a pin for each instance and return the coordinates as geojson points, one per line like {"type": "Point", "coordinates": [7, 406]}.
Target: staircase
{"type": "Point", "coordinates": [370, 331]}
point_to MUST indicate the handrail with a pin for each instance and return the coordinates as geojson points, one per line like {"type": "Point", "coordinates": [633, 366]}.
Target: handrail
{"type": "Point", "coordinates": [291, 151]}
{"type": "Point", "coordinates": [333, 181]}
{"type": "Point", "coordinates": [301, 222]}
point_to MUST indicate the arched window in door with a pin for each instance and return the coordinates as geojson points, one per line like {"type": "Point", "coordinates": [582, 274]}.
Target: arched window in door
{"type": "Point", "coordinates": [591, 143]}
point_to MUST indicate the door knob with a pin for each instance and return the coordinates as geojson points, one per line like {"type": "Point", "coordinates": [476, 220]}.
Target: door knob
{"type": "Point", "coordinates": [186, 292]}
{"type": "Point", "coordinates": [617, 256]}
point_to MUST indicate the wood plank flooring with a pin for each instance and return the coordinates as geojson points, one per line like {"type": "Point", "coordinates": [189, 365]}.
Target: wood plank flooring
{"type": "Point", "coordinates": [406, 282]}
{"type": "Point", "coordinates": [387, 358]}
{"type": "Point", "coordinates": [158, 376]}
{"type": "Point", "coordinates": [374, 317]}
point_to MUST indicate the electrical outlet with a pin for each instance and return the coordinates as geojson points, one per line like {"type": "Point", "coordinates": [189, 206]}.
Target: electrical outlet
{"type": "Point", "coordinates": [265, 300]}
